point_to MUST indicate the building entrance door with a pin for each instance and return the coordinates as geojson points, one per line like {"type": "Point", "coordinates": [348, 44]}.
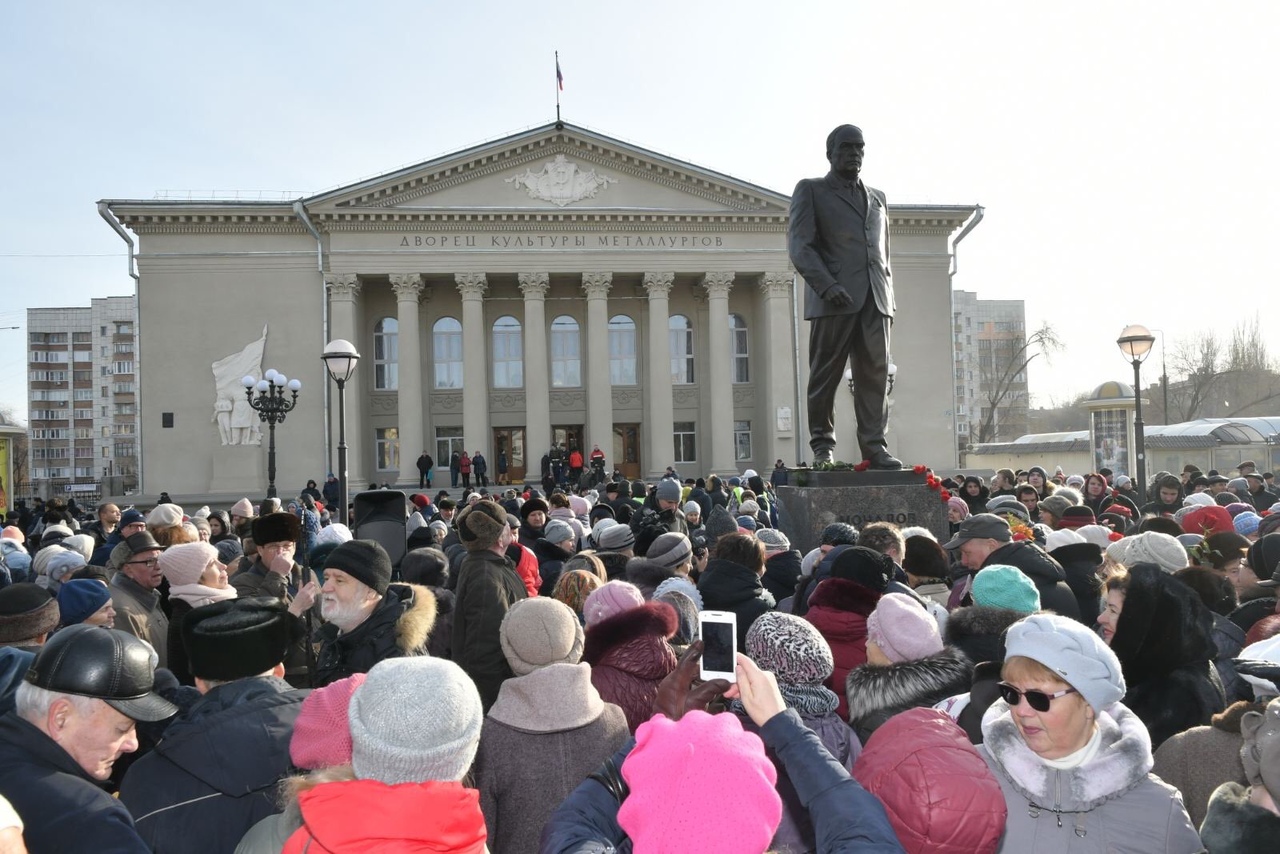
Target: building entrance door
{"type": "Point", "coordinates": [511, 441]}
{"type": "Point", "coordinates": [626, 450]}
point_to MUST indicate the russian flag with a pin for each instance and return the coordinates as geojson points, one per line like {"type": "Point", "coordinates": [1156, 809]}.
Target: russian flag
{"type": "Point", "coordinates": [559, 75]}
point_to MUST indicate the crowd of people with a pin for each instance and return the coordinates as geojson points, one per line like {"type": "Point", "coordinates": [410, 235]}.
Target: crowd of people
{"type": "Point", "coordinates": [1081, 663]}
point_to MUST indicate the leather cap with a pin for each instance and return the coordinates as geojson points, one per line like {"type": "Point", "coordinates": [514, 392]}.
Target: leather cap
{"type": "Point", "coordinates": [142, 542]}
{"type": "Point", "coordinates": [107, 664]}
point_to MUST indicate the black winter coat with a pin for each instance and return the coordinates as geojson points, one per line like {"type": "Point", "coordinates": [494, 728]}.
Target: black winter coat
{"type": "Point", "coordinates": [551, 560]}
{"type": "Point", "coordinates": [1080, 562]}
{"type": "Point", "coordinates": [1164, 640]}
{"type": "Point", "coordinates": [440, 642]}
{"type": "Point", "coordinates": [63, 808]}
{"type": "Point", "coordinates": [1045, 572]}
{"type": "Point", "coordinates": [728, 586]}
{"type": "Point", "coordinates": [214, 774]}
{"type": "Point", "coordinates": [399, 626]}
{"type": "Point", "coordinates": [877, 693]}
{"type": "Point", "coordinates": [487, 588]}
{"type": "Point", "coordinates": [781, 572]}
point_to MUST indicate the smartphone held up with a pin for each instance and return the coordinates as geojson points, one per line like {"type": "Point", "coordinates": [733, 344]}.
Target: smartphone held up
{"type": "Point", "coordinates": [719, 633]}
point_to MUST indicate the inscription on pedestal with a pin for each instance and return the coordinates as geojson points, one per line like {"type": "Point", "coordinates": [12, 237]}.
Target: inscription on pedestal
{"type": "Point", "coordinates": [857, 498]}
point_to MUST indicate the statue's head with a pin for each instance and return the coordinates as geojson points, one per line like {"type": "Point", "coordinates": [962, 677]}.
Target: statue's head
{"type": "Point", "coordinates": [845, 147]}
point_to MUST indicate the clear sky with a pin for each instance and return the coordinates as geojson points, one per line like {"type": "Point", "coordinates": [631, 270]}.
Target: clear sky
{"type": "Point", "coordinates": [1124, 152]}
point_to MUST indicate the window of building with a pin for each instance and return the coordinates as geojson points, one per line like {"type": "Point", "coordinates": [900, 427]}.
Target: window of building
{"type": "Point", "coordinates": [123, 367]}
{"type": "Point", "coordinates": [680, 339]}
{"type": "Point", "coordinates": [742, 440]}
{"type": "Point", "coordinates": [56, 338]}
{"type": "Point", "coordinates": [126, 409]}
{"type": "Point", "coordinates": [622, 350]}
{"type": "Point", "coordinates": [106, 452]}
{"type": "Point", "coordinates": [82, 394]}
{"type": "Point", "coordinates": [741, 355]}
{"type": "Point", "coordinates": [104, 412]}
{"type": "Point", "coordinates": [566, 353]}
{"type": "Point", "coordinates": [104, 350]}
{"type": "Point", "coordinates": [123, 388]}
{"type": "Point", "coordinates": [37, 338]}
{"type": "Point", "coordinates": [124, 328]}
{"type": "Point", "coordinates": [124, 347]}
{"type": "Point", "coordinates": [82, 376]}
{"type": "Point", "coordinates": [106, 432]}
{"type": "Point", "coordinates": [686, 450]}
{"type": "Point", "coordinates": [102, 330]}
{"type": "Point", "coordinates": [104, 371]}
{"type": "Point", "coordinates": [446, 337]}
{"type": "Point", "coordinates": [387, 451]}
{"type": "Point", "coordinates": [124, 448]}
{"type": "Point", "coordinates": [448, 443]}
{"type": "Point", "coordinates": [508, 353]}
{"type": "Point", "coordinates": [386, 354]}
{"type": "Point", "coordinates": [80, 337]}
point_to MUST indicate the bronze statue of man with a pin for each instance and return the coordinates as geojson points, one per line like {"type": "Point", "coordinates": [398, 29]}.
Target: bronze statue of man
{"type": "Point", "coordinates": [839, 241]}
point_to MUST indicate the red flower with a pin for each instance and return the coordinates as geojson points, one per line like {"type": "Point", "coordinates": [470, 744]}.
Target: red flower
{"type": "Point", "coordinates": [1019, 537]}
{"type": "Point", "coordinates": [862, 466]}
{"type": "Point", "coordinates": [918, 469]}
{"type": "Point", "coordinates": [1115, 535]}
{"type": "Point", "coordinates": [945, 497]}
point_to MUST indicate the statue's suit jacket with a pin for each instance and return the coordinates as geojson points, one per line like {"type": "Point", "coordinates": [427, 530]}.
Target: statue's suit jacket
{"type": "Point", "coordinates": [831, 242]}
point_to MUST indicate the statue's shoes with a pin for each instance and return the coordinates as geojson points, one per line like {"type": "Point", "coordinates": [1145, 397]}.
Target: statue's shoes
{"type": "Point", "coordinates": [883, 460]}
{"type": "Point", "coordinates": [823, 455]}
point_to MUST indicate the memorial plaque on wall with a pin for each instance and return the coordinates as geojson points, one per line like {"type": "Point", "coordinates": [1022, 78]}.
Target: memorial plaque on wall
{"type": "Point", "coordinates": [816, 499]}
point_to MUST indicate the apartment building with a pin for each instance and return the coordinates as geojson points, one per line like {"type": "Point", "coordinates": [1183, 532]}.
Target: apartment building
{"type": "Point", "coordinates": [990, 371]}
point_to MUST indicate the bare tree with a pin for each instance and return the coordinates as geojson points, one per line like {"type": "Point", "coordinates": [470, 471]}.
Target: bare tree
{"type": "Point", "coordinates": [1004, 377]}
{"type": "Point", "coordinates": [1213, 380]}
{"type": "Point", "coordinates": [1197, 363]}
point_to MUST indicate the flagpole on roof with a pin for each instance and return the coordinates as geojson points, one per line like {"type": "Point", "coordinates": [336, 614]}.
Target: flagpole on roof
{"type": "Point", "coordinates": [559, 86]}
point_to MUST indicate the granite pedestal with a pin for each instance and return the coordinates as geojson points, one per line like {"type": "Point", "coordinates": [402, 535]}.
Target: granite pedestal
{"type": "Point", "coordinates": [815, 499]}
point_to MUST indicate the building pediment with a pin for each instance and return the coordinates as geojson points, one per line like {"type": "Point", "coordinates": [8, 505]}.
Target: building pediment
{"type": "Point", "coordinates": [556, 169]}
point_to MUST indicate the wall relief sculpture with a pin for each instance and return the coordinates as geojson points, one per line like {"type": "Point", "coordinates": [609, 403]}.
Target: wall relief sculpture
{"type": "Point", "coordinates": [561, 182]}
{"type": "Point", "coordinates": [236, 420]}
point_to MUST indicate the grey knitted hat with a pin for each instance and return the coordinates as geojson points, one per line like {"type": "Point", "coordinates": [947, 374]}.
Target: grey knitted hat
{"type": "Point", "coordinates": [679, 584]}
{"type": "Point", "coordinates": [557, 531]}
{"type": "Point", "coordinates": [1056, 504]}
{"type": "Point", "coordinates": [539, 632]}
{"type": "Point", "coordinates": [616, 538]}
{"type": "Point", "coordinates": [774, 540]}
{"type": "Point", "coordinates": [413, 720]}
{"type": "Point", "coordinates": [719, 523]}
{"type": "Point", "coordinates": [668, 490]}
{"type": "Point", "coordinates": [670, 550]}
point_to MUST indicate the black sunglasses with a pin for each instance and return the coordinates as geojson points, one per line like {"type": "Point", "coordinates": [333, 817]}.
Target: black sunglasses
{"type": "Point", "coordinates": [1038, 700]}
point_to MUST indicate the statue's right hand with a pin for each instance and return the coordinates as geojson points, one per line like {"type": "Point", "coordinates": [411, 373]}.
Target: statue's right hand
{"type": "Point", "coordinates": [839, 297]}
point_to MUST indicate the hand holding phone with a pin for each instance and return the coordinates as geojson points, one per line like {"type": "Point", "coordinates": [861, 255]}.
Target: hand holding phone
{"type": "Point", "coordinates": [719, 633]}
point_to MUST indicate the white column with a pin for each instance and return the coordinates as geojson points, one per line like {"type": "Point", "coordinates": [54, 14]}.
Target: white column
{"type": "Point", "coordinates": [408, 290]}
{"type": "Point", "coordinates": [599, 391]}
{"type": "Point", "coordinates": [537, 387]}
{"type": "Point", "coordinates": [660, 412]}
{"type": "Point", "coordinates": [344, 293]}
{"type": "Point", "coordinates": [475, 377]}
{"type": "Point", "coordinates": [719, 456]}
{"type": "Point", "coordinates": [779, 372]}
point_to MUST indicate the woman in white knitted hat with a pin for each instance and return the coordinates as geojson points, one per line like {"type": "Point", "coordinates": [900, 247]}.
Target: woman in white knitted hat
{"type": "Point", "coordinates": [1072, 761]}
{"type": "Point", "coordinates": [196, 577]}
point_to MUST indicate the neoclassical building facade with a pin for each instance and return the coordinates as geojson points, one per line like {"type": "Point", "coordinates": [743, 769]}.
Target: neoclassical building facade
{"type": "Point", "coordinates": [553, 286]}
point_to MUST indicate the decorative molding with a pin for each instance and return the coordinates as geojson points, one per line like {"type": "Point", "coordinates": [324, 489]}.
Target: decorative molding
{"type": "Point", "coordinates": [384, 404]}
{"type": "Point", "coordinates": [684, 395]}
{"type": "Point", "coordinates": [561, 182]}
{"type": "Point", "coordinates": [568, 399]}
{"type": "Point", "coordinates": [471, 285]}
{"type": "Point", "coordinates": [539, 223]}
{"type": "Point", "coordinates": [507, 401]}
{"type": "Point", "coordinates": [407, 287]}
{"type": "Point", "coordinates": [534, 286]}
{"type": "Point", "coordinates": [626, 396]}
{"type": "Point", "coordinates": [659, 284]}
{"type": "Point", "coordinates": [597, 285]}
{"type": "Point", "coordinates": [718, 284]}
{"type": "Point", "coordinates": [744, 395]}
{"type": "Point", "coordinates": [777, 284]}
{"type": "Point", "coordinates": [342, 285]}
{"type": "Point", "coordinates": [449, 402]}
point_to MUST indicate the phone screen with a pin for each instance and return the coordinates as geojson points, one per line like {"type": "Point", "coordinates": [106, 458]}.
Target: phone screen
{"type": "Point", "coordinates": [717, 647]}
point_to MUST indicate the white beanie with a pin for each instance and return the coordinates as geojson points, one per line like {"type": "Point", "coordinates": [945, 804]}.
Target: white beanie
{"type": "Point", "coordinates": [1099, 535]}
{"type": "Point", "coordinates": [1058, 539]}
{"type": "Point", "coordinates": [692, 507]}
{"type": "Point", "coordinates": [1198, 499]}
{"type": "Point", "coordinates": [164, 516]}
{"type": "Point", "coordinates": [413, 720]}
{"type": "Point", "coordinates": [1149, 547]}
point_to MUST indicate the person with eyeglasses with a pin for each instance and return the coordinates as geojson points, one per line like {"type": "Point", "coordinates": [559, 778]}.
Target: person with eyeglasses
{"type": "Point", "coordinates": [1072, 761]}
{"type": "Point", "coordinates": [135, 594]}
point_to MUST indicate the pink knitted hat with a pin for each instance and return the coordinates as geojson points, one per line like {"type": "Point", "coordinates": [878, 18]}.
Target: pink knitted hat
{"type": "Point", "coordinates": [609, 600]}
{"type": "Point", "coordinates": [184, 564]}
{"type": "Point", "coordinates": [322, 734]}
{"type": "Point", "coordinates": [902, 629]}
{"type": "Point", "coordinates": [738, 809]}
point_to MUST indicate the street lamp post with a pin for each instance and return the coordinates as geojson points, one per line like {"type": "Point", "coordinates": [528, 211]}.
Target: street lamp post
{"type": "Point", "coordinates": [1135, 343]}
{"type": "Point", "coordinates": [271, 406]}
{"type": "Point", "coordinates": [340, 358]}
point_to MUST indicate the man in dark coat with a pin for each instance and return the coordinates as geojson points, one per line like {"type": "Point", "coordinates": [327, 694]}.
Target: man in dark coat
{"type": "Point", "coordinates": [985, 540]}
{"type": "Point", "coordinates": [487, 588]}
{"type": "Point", "coordinates": [367, 618]}
{"type": "Point", "coordinates": [215, 772]}
{"type": "Point", "coordinates": [425, 465]}
{"type": "Point", "coordinates": [75, 716]}
{"type": "Point", "coordinates": [838, 240]}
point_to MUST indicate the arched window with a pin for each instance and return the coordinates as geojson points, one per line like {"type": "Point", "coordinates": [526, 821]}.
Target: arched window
{"type": "Point", "coordinates": [446, 346]}
{"type": "Point", "coordinates": [622, 350]}
{"type": "Point", "coordinates": [680, 335]}
{"type": "Point", "coordinates": [566, 353]}
{"type": "Point", "coordinates": [386, 354]}
{"type": "Point", "coordinates": [741, 364]}
{"type": "Point", "coordinates": [508, 353]}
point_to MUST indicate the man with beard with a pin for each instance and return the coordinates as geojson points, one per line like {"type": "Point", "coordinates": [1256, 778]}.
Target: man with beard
{"type": "Point", "coordinates": [367, 618]}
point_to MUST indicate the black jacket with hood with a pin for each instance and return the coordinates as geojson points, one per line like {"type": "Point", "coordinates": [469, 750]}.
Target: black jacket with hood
{"type": "Point", "coordinates": [398, 627]}
{"type": "Point", "coordinates": [728, 586]}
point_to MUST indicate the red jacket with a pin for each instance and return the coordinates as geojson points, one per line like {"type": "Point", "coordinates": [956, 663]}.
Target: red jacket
{"type": "Point", "coordinates": [367, 815]}
{"type": "Point", "coordinates": [464, 464]}
{"type": "Point", "coordinates": [629, 655]}
{"type": "Point", "coordinates": [940, 794]}
{"type": "Point", "coordinates": [839, 609]}
{"type": "Point", "coordinates": [575, 459]}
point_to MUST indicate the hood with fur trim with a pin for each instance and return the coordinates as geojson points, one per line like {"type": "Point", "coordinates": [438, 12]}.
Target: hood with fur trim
{"type": "Point", "coordinates": [1164, 626]}
{"type": "Point", "coordinates": [978, 631]}
{"type": "Point", "coordinates": [1233, 824]}
{"type": "Point", "coordinates": [650, 621]}
{"type": "Point", "coordinates": [876, 694]}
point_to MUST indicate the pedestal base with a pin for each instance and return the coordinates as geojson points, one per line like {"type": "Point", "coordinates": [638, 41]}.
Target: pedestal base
{"type": "Point", "coordinates": [817, 498]}
{"type": "Point", "coordinates": [239, 470]}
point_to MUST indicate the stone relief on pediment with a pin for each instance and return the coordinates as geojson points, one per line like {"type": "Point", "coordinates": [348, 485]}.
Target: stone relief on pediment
{"type": "Point", "coordinates": [561, 182]}
{"type": "Point", "coordinates": [236, 420]}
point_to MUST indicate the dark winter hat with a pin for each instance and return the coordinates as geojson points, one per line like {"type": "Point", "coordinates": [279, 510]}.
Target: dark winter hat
{"type": "Point", "coordinates": [228, 550]}
{"type": "Point", "coordinates": [670, 550]}
{"type": "Point", "coordinates": [480, 525]}
{"type": "Point", "coordinates": [276, 528]}
{"type": "Point", "coordinates": [747, 522]}
{"type": "Point", "coordinates": [1264, 560]}
{"type": "Point", "coordinates": [531, 505]}
{"type": "Point", "coordinates": [142, 542]}
{"type": "Point", "coordinates": [238, 638]}
{"type": "Point", "coordinates": [668, 490]}
{"type": "Point", "coordinates": [1077, 517]}
{"type": "Point", "coordinates": [26, 611]}
{"type": "Point", "coordinates": [839, 534]}
{"type": "Point", "coordinates": [130, 517]}
{"type": "Point", "coordinates": [867, 567]}
{"type": "Point", "coordinates": [80, 599]}
{"type": "Point", "coordinates": [106, 664]}
{"type": "Point", "coordinates": [364, 560]}
{"type": "Point", "coordinates": [719, 523]}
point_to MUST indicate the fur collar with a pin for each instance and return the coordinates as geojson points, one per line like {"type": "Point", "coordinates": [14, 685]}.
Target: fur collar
{"type": "Point", "coordinates": [1122, 762]}
{"type": "Point", "coordinates": [651, 618]}
{"type": "Point", "coordinates": [1228, 720]}
{"type": "Point", "coordinates": [554, 698]}
{"type": "Point", "coordinates": [881, 692]}
{"type": "Point", "coordinates": [840, 594]}
{"type": "Point", "coordinates": [419, 617]}
{"type": "Point", "coordinates": [978, 631]}
{"type": "Point", "coordinates": [1233, 824]}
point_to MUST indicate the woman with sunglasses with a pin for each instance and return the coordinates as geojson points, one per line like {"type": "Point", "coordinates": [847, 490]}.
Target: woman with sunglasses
{"type": "Point", "coordinates": [1071, 760]}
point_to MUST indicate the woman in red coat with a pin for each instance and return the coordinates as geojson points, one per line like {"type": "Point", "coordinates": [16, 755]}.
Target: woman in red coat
{"type": "Point", "coordinates": [839, 608]}
{"type": "Point", "coordinates": [626, 646]}
{"type": "Point", "coordinates": [464, 469]}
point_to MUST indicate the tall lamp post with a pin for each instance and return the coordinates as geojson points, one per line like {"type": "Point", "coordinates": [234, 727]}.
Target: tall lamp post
{"type": "Point", "coordinates": [271, 406]}
{"type": "Point", "coordinates": [1135, 342]}
{"type": "Point", "coordinates": [340, 358]}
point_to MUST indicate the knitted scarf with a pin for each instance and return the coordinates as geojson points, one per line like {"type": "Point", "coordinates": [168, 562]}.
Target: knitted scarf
{"type": "Point", "coordinates": [196, 595]}
{"type": "Point", "coordinates": [812, 701]}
